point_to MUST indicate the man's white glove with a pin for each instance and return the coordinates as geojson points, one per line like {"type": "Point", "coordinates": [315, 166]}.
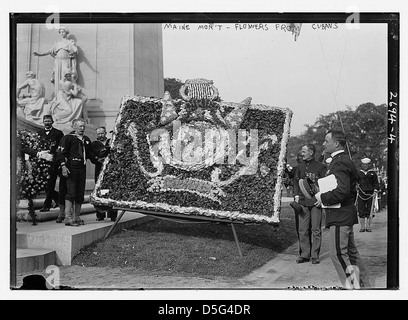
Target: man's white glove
{"type": "Point", "coordinates": [65, 171]}
{"type": "Point", "coordinates": [45, 155]}
{"type": "Point", "coordinates": [318, 203]}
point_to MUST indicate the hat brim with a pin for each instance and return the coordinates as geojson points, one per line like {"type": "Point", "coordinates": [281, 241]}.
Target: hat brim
{"type": "Point", "coordinates": [307, 190]}
{"type": "Point", "coordinates": [296, 206]}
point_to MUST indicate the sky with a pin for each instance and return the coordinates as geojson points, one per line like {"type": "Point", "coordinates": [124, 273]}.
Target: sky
{"type": "Point", "coordinates": [326, 69]}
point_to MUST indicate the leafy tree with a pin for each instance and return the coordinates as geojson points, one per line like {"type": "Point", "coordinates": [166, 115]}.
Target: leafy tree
{"type": "Point", "coordinates": [365, 128]}
{"type": "Point", "coordinates": [173, 86]}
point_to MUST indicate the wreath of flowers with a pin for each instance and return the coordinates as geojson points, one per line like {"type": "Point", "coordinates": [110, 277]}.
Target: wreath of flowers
{"type": "Point", "coordinates": [251, 198]}
{"type": "Point", "coordinates": [32, 174]}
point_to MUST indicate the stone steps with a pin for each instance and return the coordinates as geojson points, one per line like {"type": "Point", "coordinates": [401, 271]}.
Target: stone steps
{"type": "Point", "coordinates": [38, 202]}
{"type": "Point", "coordinates": [52, 214]}
{"type": "Point", "coordinates": [23, 215]}
{"type": "Point", "coordinates": [64, 241]}
{"type": "Point", "coordinates": [29, 260]}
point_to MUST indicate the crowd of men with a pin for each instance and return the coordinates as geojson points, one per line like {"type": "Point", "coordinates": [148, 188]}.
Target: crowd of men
{"type": "Point", "coordinates": [70, 154]}
{"type": "Point", "coordinates": [353, 197]}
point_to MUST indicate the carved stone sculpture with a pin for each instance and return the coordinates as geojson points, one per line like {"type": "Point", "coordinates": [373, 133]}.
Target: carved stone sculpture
{"type": "Point", "coordinates": [68, 105]}
{"type": "Point", "coordinates": [64, 52]}
{"type": "Point", "coordinates": [32, 105]}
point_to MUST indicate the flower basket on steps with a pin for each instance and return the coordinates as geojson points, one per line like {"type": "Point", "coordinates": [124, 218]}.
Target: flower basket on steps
{"type": "Point", "coordinates": [32, 172]}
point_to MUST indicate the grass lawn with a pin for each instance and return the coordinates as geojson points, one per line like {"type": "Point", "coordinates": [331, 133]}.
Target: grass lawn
{"type": "Point", "coordinates": [165, 247]}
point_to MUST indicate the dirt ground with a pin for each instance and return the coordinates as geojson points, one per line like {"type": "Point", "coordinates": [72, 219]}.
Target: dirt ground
{"type": "Point", "coordinates": [280, 272]}
{"type": "Point", "coordinates": [114, 278]}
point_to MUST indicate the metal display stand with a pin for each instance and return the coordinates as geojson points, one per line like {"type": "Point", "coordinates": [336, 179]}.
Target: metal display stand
{"type": "Point", "coordinates": [177, 218]}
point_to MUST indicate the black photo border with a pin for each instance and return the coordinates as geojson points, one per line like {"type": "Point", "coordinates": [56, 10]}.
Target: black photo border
{"type": "Point", "coordinates": [392, 19]}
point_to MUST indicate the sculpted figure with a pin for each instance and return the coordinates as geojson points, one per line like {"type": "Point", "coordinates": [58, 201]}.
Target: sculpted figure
{"type": "Point", "coordinates": [67, 105]}
{"type": "Point", "coordinates": [64, 52]}
{"type": "Point", "coordinates": [32, 104]}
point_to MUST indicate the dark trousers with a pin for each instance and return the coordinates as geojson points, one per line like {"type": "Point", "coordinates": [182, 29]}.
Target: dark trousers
{"type": "Point", "coordinates": [51, 194]}
{"type": "Point", "coordinates": [62, 189]}
{"type": "Point", "coordinates": [309, 230]}
{"type": "Point", "coordinates": [101, 214]}
{"type": "Point", "coordinates": [383, 200]}
{"type": "Point", "coordinates": [76, 183]}
{"type": "Point", "coordinates": [346, 259]}
{"type": "Point", "coordinates": [113, 214]}
{"type": "Point", "coordinates": [364, 206]}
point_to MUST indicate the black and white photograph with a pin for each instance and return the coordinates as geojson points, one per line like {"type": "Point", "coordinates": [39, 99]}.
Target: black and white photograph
{"type": "Point", "coordinates": [254, 153]}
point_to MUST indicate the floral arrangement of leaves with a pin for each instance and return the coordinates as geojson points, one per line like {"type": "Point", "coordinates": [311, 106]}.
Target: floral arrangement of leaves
{"type": "Point", "coordinates": [32, 174]}
{"type": "Point", "coordinates": [251, 194]}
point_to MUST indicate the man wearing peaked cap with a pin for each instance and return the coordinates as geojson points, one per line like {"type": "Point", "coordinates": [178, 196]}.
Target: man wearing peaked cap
{"type": "Point", "coordinates": [367, 188]}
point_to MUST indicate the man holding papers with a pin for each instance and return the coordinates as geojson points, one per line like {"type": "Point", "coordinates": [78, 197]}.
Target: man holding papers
{"type": "Point", "coordinates": [341, 219]}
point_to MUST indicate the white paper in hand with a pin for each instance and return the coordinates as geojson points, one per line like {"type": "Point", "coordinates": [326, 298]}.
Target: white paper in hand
{"type": "Point", "coordinates": [327, 184]}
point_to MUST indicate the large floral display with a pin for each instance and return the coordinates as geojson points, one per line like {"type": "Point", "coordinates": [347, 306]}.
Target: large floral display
{"type": "Point", "coordinates": [32, 172]}
{"type": "Point", "coordinates": [197, 156]}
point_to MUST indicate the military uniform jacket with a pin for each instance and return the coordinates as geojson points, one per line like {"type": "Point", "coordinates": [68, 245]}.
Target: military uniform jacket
{"type": "Point", "coordinates": [368, 181]}
{"type": "Point", "coordinates": [101, 150]}
{"type": "Point", "coordinates": [345, 193]}
{"type": "Point", "coordinates": [74, 151]}
{"type": "Point", "coordinates": [312, 169]}
{"type": "Point", "coordinates": [54, 137]}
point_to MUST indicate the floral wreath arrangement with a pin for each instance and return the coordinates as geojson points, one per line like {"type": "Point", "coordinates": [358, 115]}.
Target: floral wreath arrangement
{"type": "Point", "coordinates": [197, 155]}
{"type": "Point", "coordinates": [32, 172]}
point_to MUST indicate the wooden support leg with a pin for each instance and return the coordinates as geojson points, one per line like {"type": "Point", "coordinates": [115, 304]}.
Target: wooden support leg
{"type": "Point", "coordinates": [236, 240]}
{"type": "Point", "coordinates": [114, 225]}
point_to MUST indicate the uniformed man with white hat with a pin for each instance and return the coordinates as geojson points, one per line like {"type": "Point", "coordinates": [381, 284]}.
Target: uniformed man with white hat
{"type": "Point", "coordinates": [367, 189]}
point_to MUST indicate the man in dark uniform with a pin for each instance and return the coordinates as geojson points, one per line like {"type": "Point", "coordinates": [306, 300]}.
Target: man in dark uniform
{"type": "Point", "coordinates": [344, 254]}
{"type": "Point", "coordinates": [73, 152]}
{"type": "Point", "coordinates": [53, 136]}
{"type": "Point", "coordinates": [310, 218]}
{"type": "Point", "coordinates": [101, 149]}
{"type": "Point", "coordinates": [383, 190]}
{"type": "Point", "coordinates": [367, 190]}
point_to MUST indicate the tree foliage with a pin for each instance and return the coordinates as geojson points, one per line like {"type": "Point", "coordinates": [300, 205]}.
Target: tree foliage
{"type": "Point", "coordinates": [173, 86]}
{"type": "Point", "coordinates": [365, 127]}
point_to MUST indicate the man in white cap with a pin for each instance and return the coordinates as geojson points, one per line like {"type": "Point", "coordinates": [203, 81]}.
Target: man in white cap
{"type": "Point", "coordinates": [367, 189]}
